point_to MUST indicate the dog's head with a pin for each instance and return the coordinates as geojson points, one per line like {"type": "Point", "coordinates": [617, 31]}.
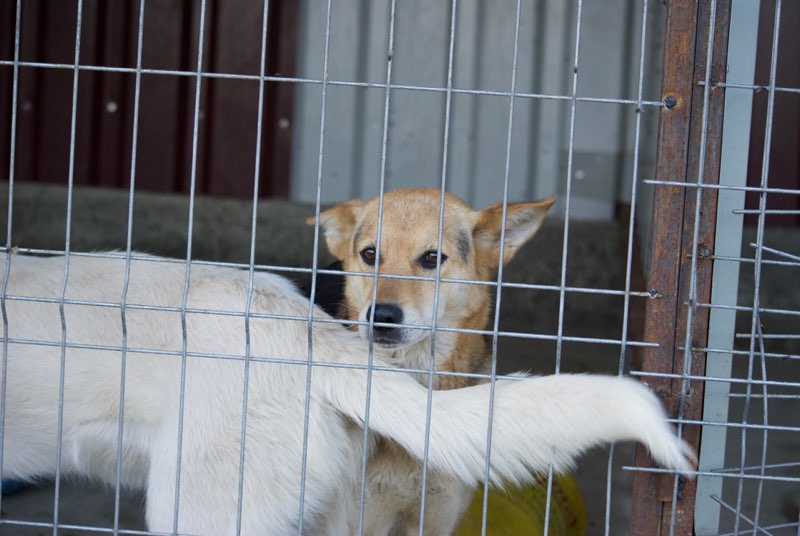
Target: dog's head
{"type": "Point", "coordinates": [409, 247]}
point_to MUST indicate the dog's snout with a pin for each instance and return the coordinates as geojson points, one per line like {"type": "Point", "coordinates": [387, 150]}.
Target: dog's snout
{"type": "Point", "coordinates": [386, 313]}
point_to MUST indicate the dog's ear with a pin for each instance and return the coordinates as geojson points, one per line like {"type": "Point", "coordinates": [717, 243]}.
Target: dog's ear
{"type": "Point", "coordinates": [522, 222]}
{"type": "Point", "coordinates": [338, 224]}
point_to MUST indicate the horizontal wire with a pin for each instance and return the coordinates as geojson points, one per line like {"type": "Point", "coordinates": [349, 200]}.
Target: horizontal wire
{"type": "Point", "coordinates": [341, 83]}
{"type": "Point", "coordinates": [747, 353]}
{"type": "Point", "coordinates": [758, 467]}
{"type": "Point", "coordinates": [769, 396]}
{"type": "Point", "coordinates": [328, 320]}
{"type": "Point", "coordinates": [773, 336]}
{"type": "Point", "coordinates": [774, 383]}
{"type": "Point", "coordinates": [87, 528]}
{"type": "Point", "coordinates": [754, 87]}
{"type": "Point", "coordinates": [279, 268]}
{"type": "Point", "coordinates": [761, 310]}
{"type": "Point", "coordinates": [747, 426]}
{"type": "Point", "coordinates": [747, 260]}
{"type": "Point", "coordinates": [774, 251]}
{"type": "Point", "coordinates": [768, 211]}
{"type": "Point", "coordinates": [725, 187]}
{"type": "Point", "coordinates": [269, 360]}
{"type": "Point", "coordinates": [744, 476]}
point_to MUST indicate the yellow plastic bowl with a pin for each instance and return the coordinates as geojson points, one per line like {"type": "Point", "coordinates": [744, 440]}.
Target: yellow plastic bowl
{"type": "Point", "coordinates": [521, 511]}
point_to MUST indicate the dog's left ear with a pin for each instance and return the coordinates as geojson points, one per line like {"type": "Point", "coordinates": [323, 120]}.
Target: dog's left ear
{"type": "Point", "coordinates": [522, 222]}
{"type": "Point", "coordinates": [338, 224]}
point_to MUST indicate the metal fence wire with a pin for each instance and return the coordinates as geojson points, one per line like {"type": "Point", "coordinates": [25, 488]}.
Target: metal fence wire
{"type": "Point", "coordinates": [723, 358]}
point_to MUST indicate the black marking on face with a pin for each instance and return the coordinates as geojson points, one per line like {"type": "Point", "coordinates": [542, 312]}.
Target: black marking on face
{"type": "Point", "coordinates": [357, 237]}
{"type": "Point", "coordinates": [463, 245]}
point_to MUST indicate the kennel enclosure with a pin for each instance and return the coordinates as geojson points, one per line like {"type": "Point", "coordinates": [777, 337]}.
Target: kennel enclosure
{"type": "Point", "coordinates": [675, 114]}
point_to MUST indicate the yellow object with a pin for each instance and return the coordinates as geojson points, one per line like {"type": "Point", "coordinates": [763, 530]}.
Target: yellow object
{"type": "Point", "coordinates": [521, 511]}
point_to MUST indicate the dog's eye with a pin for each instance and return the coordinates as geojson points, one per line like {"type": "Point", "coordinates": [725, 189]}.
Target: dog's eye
{"type": "Point", "coordinates": [368, 256]}
{"type": "Point", "coordinates": [428, 259]}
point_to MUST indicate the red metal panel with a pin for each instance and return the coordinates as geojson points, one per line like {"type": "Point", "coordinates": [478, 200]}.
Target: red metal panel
{"type": "Point", "coordinates": [228, 108]}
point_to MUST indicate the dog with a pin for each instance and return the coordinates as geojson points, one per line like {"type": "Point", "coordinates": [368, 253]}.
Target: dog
{"type": "Point", "coordinates": [470, 250]}
{"type": "Point", "coordinates": [185, 345]}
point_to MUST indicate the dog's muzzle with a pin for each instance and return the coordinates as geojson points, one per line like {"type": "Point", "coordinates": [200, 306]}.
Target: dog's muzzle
{"type": "Point", "coordinates": [387, 313]}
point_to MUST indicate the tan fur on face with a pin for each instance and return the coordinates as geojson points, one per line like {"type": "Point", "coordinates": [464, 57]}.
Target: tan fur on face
{"type": "Point", "coordinates": [410, 228]}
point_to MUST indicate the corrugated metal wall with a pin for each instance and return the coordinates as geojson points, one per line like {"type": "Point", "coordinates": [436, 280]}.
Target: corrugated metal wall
{"type": "Point", "coordinates": [483, 51]}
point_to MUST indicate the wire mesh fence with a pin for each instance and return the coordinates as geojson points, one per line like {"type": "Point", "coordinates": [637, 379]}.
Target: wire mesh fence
{"type": "Point", "coordinates": [720, 354]}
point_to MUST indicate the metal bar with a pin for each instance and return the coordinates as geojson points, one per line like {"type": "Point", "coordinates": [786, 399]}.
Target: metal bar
{"type": "Point", "coordinates": [9, 227]}
{"type": "Point", "coordinates": [340, 83]}
{"type": "Point", "coordinates": [67, 244]}
{"type": "Point", "coordinates": [251, 270]}
{"type": "Point", "coordinates": [698, 237]}
{"type": "Point", "coordinates": [498, 295]}
{"type": "Point", "coordinates": [756, 189]}
{"type": "Point", "coordinates": [661, 314]}
{"type": "Point", "coordinates": [314, 266]}
{"type": "Point", "coordinates": [128, 245]}
{"type": "Point", "coordinates": [350, 83]}
{"type": "Point", "coordinates": [657, 470]}
{"type": "Point", "coordinates": [376, 270]}
{"type": "Point", "coordinates": [437, 283]}
{"type": "Point", "coordinates": [755, 319]}
{"type": "Point", "coordinates": [687, 143]}
{"type": "Point", "coordinates": [187, 281]}
{"type": "Point", "coordinates": [565, 244]}
{"type": "Point", "coordinates": [733, 170]}
{"type": "Point", "coordinates": [631, 244]}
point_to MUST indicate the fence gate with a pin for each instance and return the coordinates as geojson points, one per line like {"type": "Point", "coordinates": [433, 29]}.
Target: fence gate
{"type": "Point", "coordinates": [718, 381]}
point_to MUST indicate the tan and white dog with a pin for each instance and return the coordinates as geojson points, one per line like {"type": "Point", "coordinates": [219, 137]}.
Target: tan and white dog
{"type": "Point", "coordinates": [184, 352]}
{"type": "Point", "coordinates": [404, 317]}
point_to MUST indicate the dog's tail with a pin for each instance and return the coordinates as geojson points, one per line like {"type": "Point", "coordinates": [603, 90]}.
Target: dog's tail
{"type": "Point", "coordinates": [535, 421]}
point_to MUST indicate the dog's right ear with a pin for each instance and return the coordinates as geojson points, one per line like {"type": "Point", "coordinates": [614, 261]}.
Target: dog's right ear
{"type": "Point", "coordinates": [338, 224]}
{"type": "Point", "coordinates": [522, 221]}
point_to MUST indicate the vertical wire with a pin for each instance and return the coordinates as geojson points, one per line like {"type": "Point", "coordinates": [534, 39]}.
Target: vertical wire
{"type": "Point", "coordinates": [128, 243]}
{"type": "Point", "coordinates": [692, 299]}
{"type": "Point", "coordinates": [501, 253]}
{"type": "Point", "coordinates": [765, 436]}
{"type": "Point", "coordinates": [629, 257]}
{"type": "Point", "coordinates": [251, 269]}
{"type": "Point", "coordinates": [565, 247]}
{"type": "Point", "coordinates": [376, 268]}
{"type": "Point", "coordinates": [762, 206]}
{"type": "Point", "coordinates": [314, 267]}
{"type": "Point", "coordinates": [11, 166]}
{"type": "Point", "coordinates": [63, 294]}
{"type": "Point", "coordinates": [437, 282]}
{"type": "Point", "coordinates": [187, 280]}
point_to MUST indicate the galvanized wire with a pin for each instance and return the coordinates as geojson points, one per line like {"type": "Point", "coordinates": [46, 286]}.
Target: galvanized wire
{"type": "Point", "coordinates": [438, 275]}
{"type": "Point", "coordinates": [498, 296]}
{"type": "Point", "coordinates": [9, 221]}
{"type": "Point", "coordinates": [631, 243]}
{"type": "Point", "coordinates": [125, 285]}
{"type": "Point", "coordinates": [251, 270]}
{"type": "Point", "coordinates": [62, 297]}
{"type": "Point", "coordinates": [754, 329]}
{"type": "Point", "coordinates": [187, 280]}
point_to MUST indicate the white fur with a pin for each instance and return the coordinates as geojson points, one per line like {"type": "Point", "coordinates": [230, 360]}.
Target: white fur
{"type": "Point", "coordinates": [535, 421]}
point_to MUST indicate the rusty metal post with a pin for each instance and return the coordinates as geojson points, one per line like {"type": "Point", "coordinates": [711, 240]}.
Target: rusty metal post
{"type": "Point", "coordinates": [670, 266]}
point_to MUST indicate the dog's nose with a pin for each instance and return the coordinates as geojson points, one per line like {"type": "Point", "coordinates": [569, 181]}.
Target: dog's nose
{"type": "Point", "coordinates": [386, 313]}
